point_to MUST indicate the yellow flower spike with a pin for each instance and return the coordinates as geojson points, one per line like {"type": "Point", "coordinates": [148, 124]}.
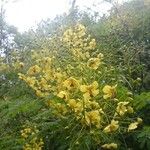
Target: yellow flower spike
{"type": "Point", "coordinates": [133, 126]}
{"type": "Point", "coordinates": [32, 142]}
{"type": "Point", "coordinates": [78, 44]}
{"type": "Point", "coordinates": [63, 95]}
{"type": "Point", "coordinates": [93, 63]}
{"type": "Point", "coordinates": [112, 127]}
{"type": "Point", "coordinates": [122, 108]}
{"type": "Point", "coordinates": [109, 91]}
{"type": "Point", "coordinates": [110, 146]}
{"type": "Point", "coordinates": [71, 83]}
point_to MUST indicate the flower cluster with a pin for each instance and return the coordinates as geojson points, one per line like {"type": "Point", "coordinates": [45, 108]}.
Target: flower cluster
{"type": "Point", "coordinates": [75, 88]}
{"type": "Point", "coordinates": [29, 136]}
{"type": "Point", "coordinates": [77, 42]}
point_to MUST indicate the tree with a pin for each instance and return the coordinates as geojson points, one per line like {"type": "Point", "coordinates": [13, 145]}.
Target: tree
{"type": "Point", "coordinates": [7, 34]}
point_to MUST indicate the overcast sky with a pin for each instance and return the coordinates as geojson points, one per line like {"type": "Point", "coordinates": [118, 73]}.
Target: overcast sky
{"type": "Point", "coordinates": [26, 13]}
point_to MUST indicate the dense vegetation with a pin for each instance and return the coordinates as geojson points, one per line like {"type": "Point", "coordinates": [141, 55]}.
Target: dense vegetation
{"type": "Point", "coordinates": [78, 82]}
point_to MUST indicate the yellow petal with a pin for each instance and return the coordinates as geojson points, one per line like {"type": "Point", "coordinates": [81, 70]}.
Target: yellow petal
{"type": "Point", "coordinates": [95, 84]}
{"type": "Point", "coordinates": [106, 89]}
{"type": "Point", "coordinates": [83, 88]}
{"type": "Point", "coordinates": [139, 120]}
{"type": "Point", "coordinates": [86, 96]}
{"type": "Point", "coordinates": [105, 96]}
{"type": "Point", "coordinates": [95, 92]}
{"type": "Point", "coordinates": [110, 146]}
{"type": "Point", "coordinates": [132, 126]}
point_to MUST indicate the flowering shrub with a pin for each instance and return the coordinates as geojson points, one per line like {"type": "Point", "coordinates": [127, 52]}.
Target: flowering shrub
{"type": "Point", "coordinates": [72, 82]}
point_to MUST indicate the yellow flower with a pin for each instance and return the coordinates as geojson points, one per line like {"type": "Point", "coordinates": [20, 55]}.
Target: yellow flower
{"type": "Point", "coordinates": [133, 126]}
{"type": "Point", "coordinates": [63, 95]}
{"type": "Point", "coordinates": [94, 105]}
{"type": "Point", "coordinates": [93, 117]}
{"type": "Point", "coordinates": [87, 55]}
{"type": "Point", "coordinates": [92, 44]}
{"type": "Point", "coordinates": [21, 65]}
{"type": "Point", "coordinates": [47, 60]}
{"type": "Point", "coordinates": [72, 103]}
{"type": "Point", "coordinates": [34, 70]}
{"type": "Point", "coordinates": [122, 108]}
{"type": "Point", "coordinates": [110, 146]}
{"type": "Point", "coordinates": [21, 76]}
{"type": "Point", "coordinates": [112, 127]}
{"type": "Point", "coordinates": [100, 55]}
{"type": "Point", "coordinates": [71, 83]}
{"type": "Point", "coordinates": [130, 109]}
{"type": "Point", "coordinates": [93, 63]}
{"type": "Point", "coordinates": [90, 91]}
{"type": "Point", "coordinates": [48, 74]}
{"type": "Point", "coordinates": [109, 91]}
{"type": "Point", "coordinates": [26, 132]}
{"type": "Point", "coordinates": [31, 142]}
{"type": "Point", "coordinates": [43, 84]}
{"type": "Point", "coordinates": [39, 93]}
{"type": "Point", "coordinates": [61, 108]}
{"type": "Point", "coordinates": [79, 108]}
{"type": "Point", "coordinates": [87, 96]}
{"type": "Point", "coordinates": [24, 135]}
{"type": "Point", "coordinates": [59, 77]}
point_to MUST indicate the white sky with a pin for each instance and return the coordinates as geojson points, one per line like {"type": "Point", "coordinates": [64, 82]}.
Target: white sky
{"type": "Point", "coordinates": [26, 13]}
